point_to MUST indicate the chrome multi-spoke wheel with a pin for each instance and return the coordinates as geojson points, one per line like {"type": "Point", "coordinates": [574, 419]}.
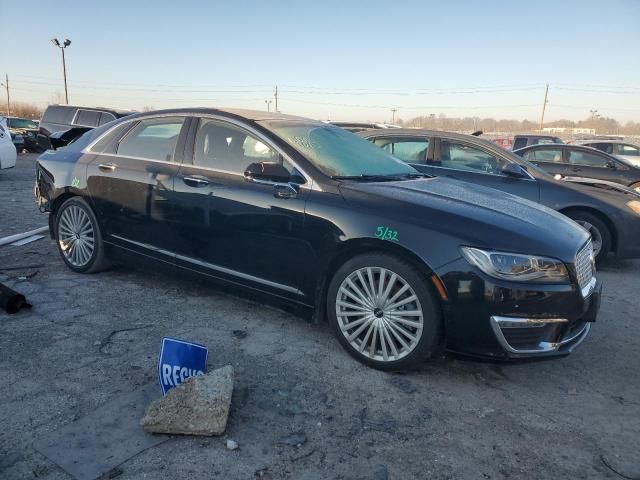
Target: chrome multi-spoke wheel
{"type": "Point", "coordinates": [379, 314]}
{"type": "Point", "coordinates": [76, 236]}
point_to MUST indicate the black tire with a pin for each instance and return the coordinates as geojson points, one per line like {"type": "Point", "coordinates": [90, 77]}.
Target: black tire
{"type": "Point", "coordinates": [427, 341]}
{"type": "Point", "coordinates": [97, 261]}
{"type": "Point", "coordinates": [599, 229]}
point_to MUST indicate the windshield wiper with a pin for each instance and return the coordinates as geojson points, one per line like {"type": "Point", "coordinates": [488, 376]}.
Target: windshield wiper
{"type": "Point", "coordinates": [380, 178]}
{"type": "Point", "coordinates": [365, 177]}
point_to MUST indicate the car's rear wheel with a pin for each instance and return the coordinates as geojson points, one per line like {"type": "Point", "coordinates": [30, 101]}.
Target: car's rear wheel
{"type": "Point", "coordinates": [383, 312]}
{"type": "Point", "coordinates": [78, 236]}
{"type": "Point", "coordinates": [600, 234]}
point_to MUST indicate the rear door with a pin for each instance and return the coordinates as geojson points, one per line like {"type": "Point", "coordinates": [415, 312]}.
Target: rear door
{"type": "Point", "coordinates": [249, 232]}
{"type": "Point", "coordinates": [131, 182]}
{"type": "Point", "coordinates": [475, 164]}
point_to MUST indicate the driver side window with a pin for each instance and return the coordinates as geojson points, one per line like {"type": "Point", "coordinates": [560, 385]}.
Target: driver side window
{"type": "Point", "coordinates": [231, 149]}
{"type": "Point", "coordinates": [462, 156]}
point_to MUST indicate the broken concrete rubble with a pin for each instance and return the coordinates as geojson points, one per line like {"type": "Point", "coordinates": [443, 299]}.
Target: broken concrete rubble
{"type": "Point", "coordinates": [199, 406]}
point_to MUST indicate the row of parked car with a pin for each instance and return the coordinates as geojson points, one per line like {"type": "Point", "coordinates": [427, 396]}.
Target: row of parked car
{"type": "Point", "coordinates": [390, 234]}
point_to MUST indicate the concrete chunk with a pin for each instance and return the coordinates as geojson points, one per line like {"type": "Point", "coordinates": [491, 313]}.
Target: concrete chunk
{"type": "Point", "coordinates": [199, 406]}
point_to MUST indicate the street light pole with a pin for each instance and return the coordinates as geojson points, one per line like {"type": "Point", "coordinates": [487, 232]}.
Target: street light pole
{"type": "Point", "coordinates": [6, 85]}
{"type": "Point", "coordinates": [65, 44]}
{"type": "Point", "coordinates": [268, 102]}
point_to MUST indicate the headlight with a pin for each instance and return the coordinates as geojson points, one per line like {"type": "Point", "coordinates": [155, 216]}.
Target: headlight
{"type": "Point", "coordinates": [517, 267]}
{"type": "Point", "coordinates": [634, 205]}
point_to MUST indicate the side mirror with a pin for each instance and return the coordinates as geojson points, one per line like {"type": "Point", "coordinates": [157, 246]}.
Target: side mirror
{"type": "Point", "coordinates": [268, 172]}
{"type": "Point", "coordinates": [612, 165]}
{"type": "Point", "coordinates": [514, 170]}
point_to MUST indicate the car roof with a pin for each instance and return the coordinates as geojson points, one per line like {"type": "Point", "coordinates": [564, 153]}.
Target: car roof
{"type": "Point", "coordinates": [254, 115]}
{"type": "Point", "coordinates": [118, 111]}
{"type": "Point", "coordinates": [535, 135]}
{"type": "Point", "coordinates": [578, 142]}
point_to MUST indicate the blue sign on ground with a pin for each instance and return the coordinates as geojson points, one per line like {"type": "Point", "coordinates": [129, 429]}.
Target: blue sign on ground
{"type": "Point", "coordinates": [178, 361]}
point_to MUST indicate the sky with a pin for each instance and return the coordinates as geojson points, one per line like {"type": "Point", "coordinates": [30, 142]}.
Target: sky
{"type": "Point", "coordinates": [338, 60]}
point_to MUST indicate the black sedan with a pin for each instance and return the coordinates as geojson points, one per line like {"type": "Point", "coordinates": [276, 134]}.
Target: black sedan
{"type": "Point", "coordinates": [610, 213]}
{"type": "Point", "coordinates": [582, 161]}
{"type": "Point", "coordinates": [398, 264]}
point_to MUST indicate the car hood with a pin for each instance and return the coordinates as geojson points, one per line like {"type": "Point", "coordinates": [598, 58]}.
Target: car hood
{"type": "Point", "coordinates": [477, 215]}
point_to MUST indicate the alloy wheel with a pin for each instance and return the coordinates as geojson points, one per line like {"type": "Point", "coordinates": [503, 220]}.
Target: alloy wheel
{"type": "Point", "coordinates": [379, 314]}
{"type": "Point", "coordinates": [76, 236]}
{"type": "Point", "coordinates": [596, 236]}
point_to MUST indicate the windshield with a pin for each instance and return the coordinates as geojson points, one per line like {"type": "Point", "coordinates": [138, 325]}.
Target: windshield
{"type": "Point", "coordinates": [338, 153]}
{"type": "Point", "coordinates": [21, 123]}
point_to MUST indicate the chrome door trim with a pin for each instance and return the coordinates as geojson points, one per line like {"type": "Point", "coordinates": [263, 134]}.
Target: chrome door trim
{"type": "Point", "coordinates": [211, 266]}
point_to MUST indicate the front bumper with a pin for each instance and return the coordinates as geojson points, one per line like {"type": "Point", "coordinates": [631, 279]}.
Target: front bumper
{"type": "Point", "coordinates": [486, 317]}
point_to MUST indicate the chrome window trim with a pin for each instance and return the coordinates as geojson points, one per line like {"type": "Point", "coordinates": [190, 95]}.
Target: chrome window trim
{"type": "Point", "coordinates": [309, 185]}
{"type": "Point", "coordinates": [529, 179]}
{"type": "Point", "coordinates": [211, 266]}
{"type": "Point", "coordinates": [75, 116]}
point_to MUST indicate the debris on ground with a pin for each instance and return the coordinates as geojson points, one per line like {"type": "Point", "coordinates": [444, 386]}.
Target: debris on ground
{"type": "Point", "coordinates": [199, 406]}
{"type": "Point", "coordinates": [294, 440]}
{"type": "Point", "coordinates": [12, 301]}
{"type": "Point", "coordinates": [231, 444]}
{"type": "Point", "coordinates": [239, 334]}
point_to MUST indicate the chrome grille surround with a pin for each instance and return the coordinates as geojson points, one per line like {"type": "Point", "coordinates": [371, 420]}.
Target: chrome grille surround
{"type": "Point", "coordinates": [585, 265]}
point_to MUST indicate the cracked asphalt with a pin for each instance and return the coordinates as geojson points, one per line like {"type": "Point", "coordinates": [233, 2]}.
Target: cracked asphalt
{"type": "Point", "coordinates": [454, 418]}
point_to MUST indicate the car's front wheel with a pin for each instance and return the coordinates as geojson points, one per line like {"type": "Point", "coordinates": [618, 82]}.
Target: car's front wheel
{"type": "Point", "coordinates": [600, 234]}
{"type": "Point", "coordinates": [78, 237]}
{"type": "Point", "coordinates": [383, 312]}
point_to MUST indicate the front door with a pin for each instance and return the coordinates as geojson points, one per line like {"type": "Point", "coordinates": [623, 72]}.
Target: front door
{"type": "Point", "coordinates": [595, 165]}
{"type": "Point", "coordinates": [131, 183]}
{"type": "Point", "coordinates": [232, 228]}
{"type": "Point", "coordinates": [471, 163]}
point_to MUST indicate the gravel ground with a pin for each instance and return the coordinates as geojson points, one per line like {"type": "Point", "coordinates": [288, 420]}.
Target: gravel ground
{"type": "Point", "coordinates": [452, 419]}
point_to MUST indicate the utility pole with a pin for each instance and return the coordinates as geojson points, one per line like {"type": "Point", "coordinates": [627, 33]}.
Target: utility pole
{"type": "Point", "coordinates": [65, 44]}
{"type": "Point", "coordinates": [544, 105]}
{"type": "Point", "coordinates": [393, 115]}
{"type": "Point", "coordinates": [6, 85]}
{"type": "Point", "coordinates": [275, 95]}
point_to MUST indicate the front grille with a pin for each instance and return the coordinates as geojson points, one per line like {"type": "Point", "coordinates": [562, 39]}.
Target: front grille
{"type": "Point", "coordinates": [584, 265]}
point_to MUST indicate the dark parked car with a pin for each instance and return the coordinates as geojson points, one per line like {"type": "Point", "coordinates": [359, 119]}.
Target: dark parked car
{"type": "Point", "coordinates": [610, 213]}
{"type": "Point", "coordinates": [582, 161]}
{"type": "Point", "coordinates": [61, 124]}
{"type": "Point", "coordinates": [23, 133]}
{"type": "Point", "coordinates": [521, 141]}
{"type": "Point", "coordinates": [313, 214]}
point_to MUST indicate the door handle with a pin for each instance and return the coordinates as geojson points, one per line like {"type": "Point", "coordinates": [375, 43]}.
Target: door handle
{"type": "Point", "coordinates": [195, 181]}
{"type": "Point", "coordinates": [575, 169]}
{"type": "Point", "coordinates": [107, 167]}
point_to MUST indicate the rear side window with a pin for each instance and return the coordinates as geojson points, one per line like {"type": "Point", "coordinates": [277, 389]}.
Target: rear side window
{"type": "Point", "coordinates": [519, 143]}
{"type": "Point", "coordinates": [87, 118]}
{"type": "Point", "coordinates": [410, 150]}
{"type": "Point", "coordinates": [153, 139]}
{"type": "Point", "coordinates": [59, 114]}
{"type": "Point", "coordinates": [106, 117]}
{"type": "Point", "coordinates": [605, 147]}
{"type": "Point", "coordinates": [587, 159]}
{"type": "Point", "coordinates": [545, 155]}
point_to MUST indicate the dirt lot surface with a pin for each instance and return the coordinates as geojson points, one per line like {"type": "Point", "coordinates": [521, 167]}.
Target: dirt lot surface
{"type": "Point", "coordinates": [453, 419]}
